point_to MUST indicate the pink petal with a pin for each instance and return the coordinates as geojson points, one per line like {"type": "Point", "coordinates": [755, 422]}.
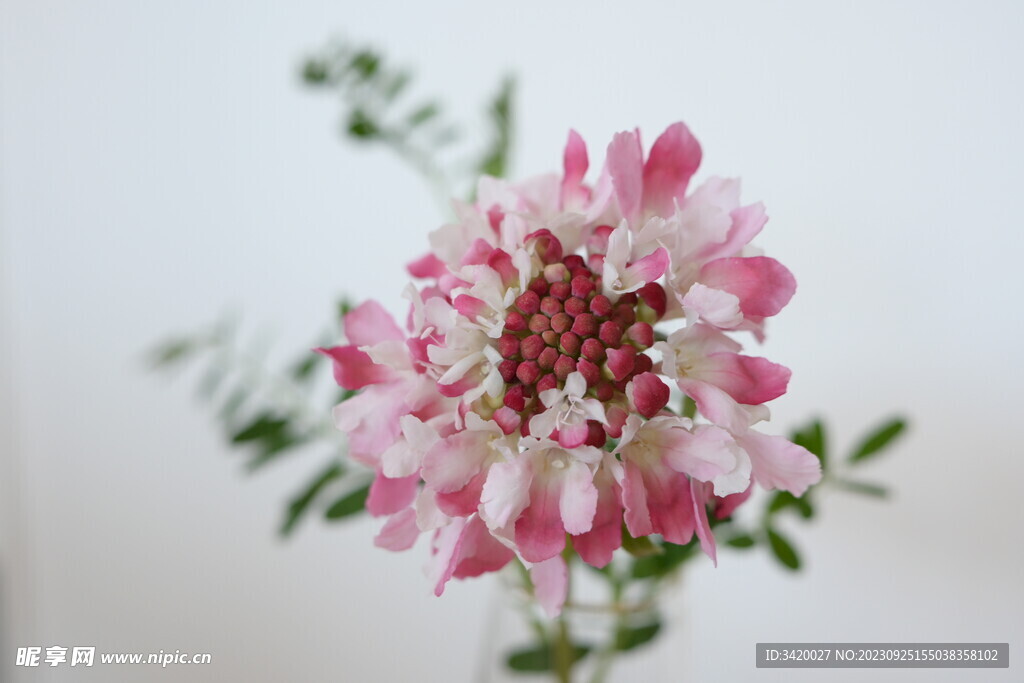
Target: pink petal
{"type": "Point", "coordinates": [625, 163]}
{"type": "Point", "coordinates": [762, 284]}
{"type": "Point", "coordinates": [445, 555]}
{"type": "Point", "coordinates": [747, 379]}
{"type": "Point", "coordinates": [724, 507]}
{"type": "Point", "coordinates": [480, 552]}
{"type": "Point", "coordinates": [540, 533]}
{"type": "Point", "coordinates": [702, 454]}
{"type": "Point", "coordinates": [669, 504]}
{"type": "Point", "coordinates": [673, 160]}
{"type": "Point", "coordinates": [648, 269]}
{"type": "Point", "coordinates": [715, 306]}
{"type": "Point", "coordinates": [400, 531]}
{"type": "Point", "coordinates": [778, 463]}
{"type": "Point", "coordinates": [427, 266]}
{"type": "Point", "coordinates": [597, 546]}
{"type": "Point", "coordinates": [700, 493]}
{"type": "Point", "coordinates": [506, 492]}
{"type": "Point", "coordinates": [369, 324]}
{"type": "Point", "coordinates": [466, 500]}
{"type": "Point", "coordinates": [388, 496]}
{"type": "Point", "coordinates": [470, 306]}
{"type": "Point", "coordinates": [371, 419]}
{"type": "Point", "coordinates": [575, 162]}
{"type": "Point", "coordinates": [453, 461]}
{"type": "Point", "coordinates": [572, 435]}
{"type": "Point", "coordinates": [747, 222]}
{"type": "Point", "coordinates": [578, 501]}
{"type": "Point", "coordinates": [634, 501]}
{"type": "Point", "coordinates": [648, 394]}
{"type": "Point", "coordinates": [353, 368]}
{"type": "Point", "coordinates": [716, 405]}
{"type": "Point", "coordinates": [550, 584]}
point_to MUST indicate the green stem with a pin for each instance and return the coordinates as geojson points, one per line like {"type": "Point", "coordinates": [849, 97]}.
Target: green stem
{"type": "Point", "coordinates": [563, 651]}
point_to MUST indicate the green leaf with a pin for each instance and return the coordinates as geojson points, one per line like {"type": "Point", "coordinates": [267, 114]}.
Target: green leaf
{"type": "Point", "coordinates": [878, 440]}
{"type": "Point", "coordinates": [303, 369]}
{"type": "Point", "coordinates": [863, 488]}
{"type": "Point", "coordinates": [348, 504]}
{"type": "Point", "coordinates": [629, 638]}
{"type": "Point", "coordinates": [365, 63]}
{"type": "Point", "coordinates": [784, 552]}
{"type": "Point", "coordinates": [263, 426]}
{"type": "Point", "coordinates": [639, 547]}
{"type": "Point", "coordinates": [423, 114]}
{"type": "Point", "coordinates": [361, 126]}
{"type": "Point", "coordinates": [495, 159]}
{"type": "Point", "coordinates": [689, 407]}
{"type": "Point", "coordinates": [172, 352]}
{"type": "Point", "coordinates": [656, 566]}
{"type": "Point", "coordinates": [539, 658]}
{"type": "Point", "coordinates": [300, 503]}
{"type": "Point", "coordinates": [783, 499]}
{"type": "Point", "coordinates": [741, 541]}
{"type": "Point", "coordinates": [812, 437]}
{"type": "Point", "coordinates": [314, 72]}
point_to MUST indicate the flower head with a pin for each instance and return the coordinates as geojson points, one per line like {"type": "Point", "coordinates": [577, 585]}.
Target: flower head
{"type": "Point", "coordinates": [526, 403]}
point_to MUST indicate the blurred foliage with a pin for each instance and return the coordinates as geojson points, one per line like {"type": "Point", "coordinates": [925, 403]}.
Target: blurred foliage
{"type": "Point", "coordinates": [378, 108]}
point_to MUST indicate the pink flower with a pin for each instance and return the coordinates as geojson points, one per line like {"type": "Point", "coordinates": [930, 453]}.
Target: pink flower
{"type": "Point", "coordinates": [525, 407]}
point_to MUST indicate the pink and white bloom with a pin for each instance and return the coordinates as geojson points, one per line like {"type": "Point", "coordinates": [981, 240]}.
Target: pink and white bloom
{"type": "Point", "coordinates": [526, 404]}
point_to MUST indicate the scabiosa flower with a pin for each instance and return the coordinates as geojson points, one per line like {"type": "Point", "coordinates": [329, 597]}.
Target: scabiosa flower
{"type": "Point", "coordinates": [525, 406]}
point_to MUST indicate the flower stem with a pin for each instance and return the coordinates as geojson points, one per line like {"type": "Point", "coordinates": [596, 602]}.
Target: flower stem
{"type": "Point", "coordinates": [563, 651]}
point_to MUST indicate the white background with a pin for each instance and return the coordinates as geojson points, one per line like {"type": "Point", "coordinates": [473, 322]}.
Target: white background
{"type": "Point", "coordinates": [161, 164]}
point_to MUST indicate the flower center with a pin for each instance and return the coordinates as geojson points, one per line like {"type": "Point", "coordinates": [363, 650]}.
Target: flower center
{"type": "Point", "coordinates": [562, 324]}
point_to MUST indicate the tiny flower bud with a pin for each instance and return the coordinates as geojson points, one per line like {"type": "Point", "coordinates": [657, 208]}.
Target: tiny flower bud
{"type": "Point", "coordinates": [515, 398]}
{"type": "Point", "coordinates": [538, 286]}
{"type": "Point", "coordinates": [575, 306]}
{"type": "Point", "coordinates": [582, 286]}
{"type": "Point", "coordinates": [507, 368]}
{"type": "Point", "coordinates": [569, 344]}
{"type": "Point", "coordinates": [564, 367]}
{"type": "Point", "coordinates": [546, 359]}
{"type": "Point", "coordinates": [556, 272]}
{"type": "Point", "coordinates": [561, 290]}
{"type": "Point", "coordinates": [624, 315]}
{"type": "Point", "coordinates": [648, 394]}
{"type": "Point", "coordinates": [610, 334]}
{"type": "Point", "coordinates": [595, 434]}
{"type": "Point", "coordinates": [532, 346]}
{"type": "Point", "coordinates": [573, 261]}
{"type": "Point", "coordinates": [515, 322]}
{"type": "Point", "coordinates": [596, 262]}
{"type": "Point", "coordinates": [601, 306]}
{"type": "Point", "coordinates": [621, 362]}
{"type": "Point", "coordinates": [550, 337]}
{"type": "Point", "coordinates": [653, 296]}
{"type": "Point", "coordinates": [561, 322]}
{"type": "Point", "coordinates": [585, 325]}
{"type": "Point", "coordinates": [593, 349]}
{"type": "Point", "coordinates": [641, 333]}
{"type": "Point", "coordinates": [589, 370]}
{"type": "Point", "coordinates": [528, 372]}
{"type": "Point", "coordinates": [508, 345]}
{"type": "Point", "coordinates": [539, 322]}
{"type": "Point", "coordinates": [604, 391]}
{"type": "Point", "coordinates": [549, 306]}
{"type": "Point", "coordinates": [546, 382]}
{"type": "Point", "coordinates": [528, 303]}
{"type": "Point", "coordinates": [643, 364]}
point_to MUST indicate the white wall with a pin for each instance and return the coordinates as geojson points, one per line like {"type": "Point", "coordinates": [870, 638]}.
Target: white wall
{"type": "Point", "coordinates": [160, 163]}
